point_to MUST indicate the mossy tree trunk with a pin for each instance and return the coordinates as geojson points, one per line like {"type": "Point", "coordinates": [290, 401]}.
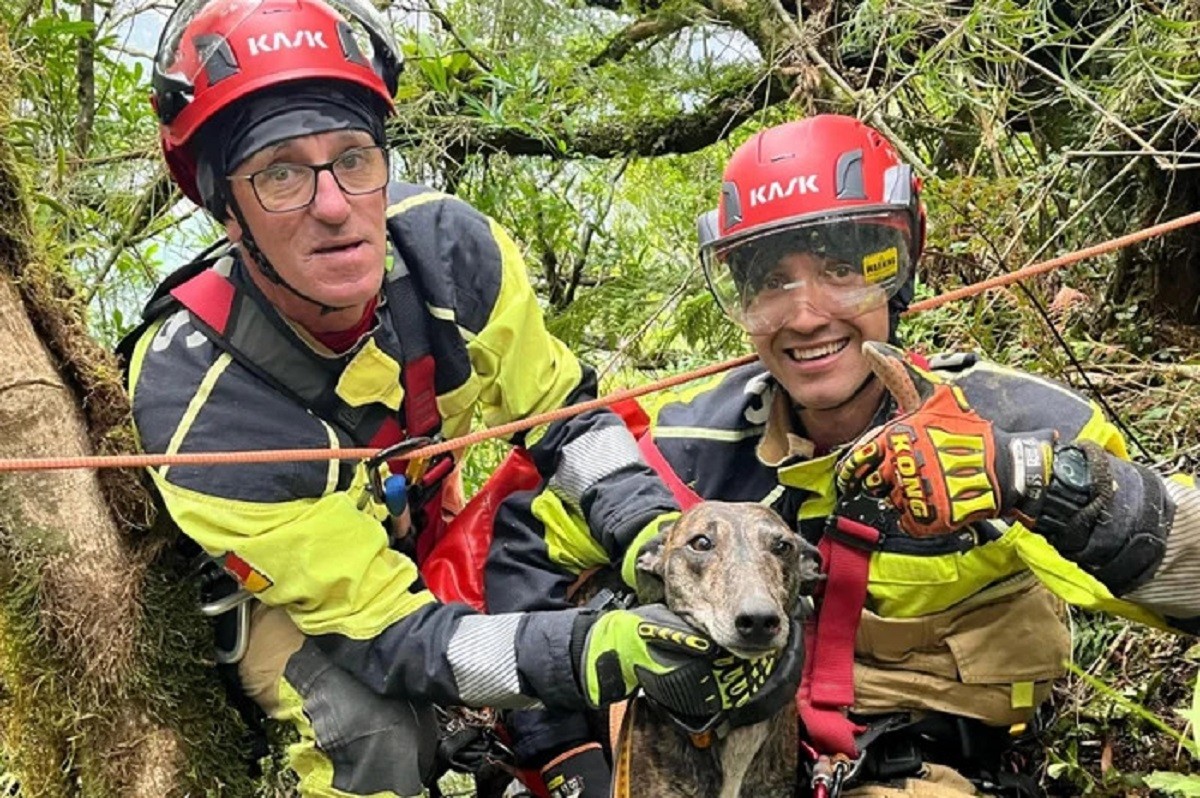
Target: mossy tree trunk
{"type": "Point", "coordinates": [104, 690]}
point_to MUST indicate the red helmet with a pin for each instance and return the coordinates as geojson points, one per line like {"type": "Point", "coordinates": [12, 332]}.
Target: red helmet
{"type": "Point", "coordinates": [213, 53]}
{"type": "Point", "coordinates": [830, 187]}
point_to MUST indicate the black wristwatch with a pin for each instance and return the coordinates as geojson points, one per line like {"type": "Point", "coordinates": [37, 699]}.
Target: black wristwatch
{"type": "Point", "coordinates": [1069, 491]}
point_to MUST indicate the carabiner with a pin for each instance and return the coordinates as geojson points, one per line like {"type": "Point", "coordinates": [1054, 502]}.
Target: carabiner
{"type": "Point", "coordinates": [374, 462]}
{"type": "Point", "coordinates": [832, 774]}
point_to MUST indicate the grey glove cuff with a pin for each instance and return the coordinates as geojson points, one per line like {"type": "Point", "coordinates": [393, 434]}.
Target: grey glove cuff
{"type": "Point", "coordinates": [584, 621]}
{"type": "Point", "coordinates": [1137, 525]}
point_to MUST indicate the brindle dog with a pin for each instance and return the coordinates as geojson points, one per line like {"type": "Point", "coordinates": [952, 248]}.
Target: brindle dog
{"type": "Point", "coordinates": [736, 572]}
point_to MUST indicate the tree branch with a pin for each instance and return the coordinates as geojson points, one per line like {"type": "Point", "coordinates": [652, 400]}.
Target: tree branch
{"type": "Point", "coordinates": [85, 89]}
{"type": "Point", "coordinates": [432, 7]}
{"type": "Point", "coordinates": [645, 29]}
{"type": "Point", "coordinates": [158, 197]}
{"type": "Point", "coordinates": [26, 13]}
{"type": "Point", "coordinates": [645, 136]}
{"type": "Point", "coordinates": [584, 247]}
{"type": "Point", "coordinates": [875, 117]}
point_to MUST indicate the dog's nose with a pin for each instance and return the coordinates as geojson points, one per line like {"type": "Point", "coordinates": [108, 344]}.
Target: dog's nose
{"type": "Point", "coordinates": [757, 627]}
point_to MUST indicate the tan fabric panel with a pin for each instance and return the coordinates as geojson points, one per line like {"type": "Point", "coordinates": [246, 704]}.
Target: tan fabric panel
{"type": "Point", "coordinates": [980, 659]}
{"type": "Point", "coordinates": [274, 638]}
{"type": "Point", "coordinates": [935, 782]}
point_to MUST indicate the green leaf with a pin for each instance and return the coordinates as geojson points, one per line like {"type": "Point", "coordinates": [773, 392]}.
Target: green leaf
{"type": "Point", "coordinates": [1174, 783]}
{"type": "Point", "coordinates": [60, 26]}
{"type": "Point", "coordinates": [1195, 713]}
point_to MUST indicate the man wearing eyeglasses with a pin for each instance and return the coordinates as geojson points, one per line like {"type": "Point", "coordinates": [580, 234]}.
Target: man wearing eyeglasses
{"type": "Point", "coordinates": [353, 312]}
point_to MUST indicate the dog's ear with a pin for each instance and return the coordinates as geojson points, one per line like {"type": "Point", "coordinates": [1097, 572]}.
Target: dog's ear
{"type": "Point", "coordinates": [648, 569]}
{"type": "Point", "coordinates": [810, 568]}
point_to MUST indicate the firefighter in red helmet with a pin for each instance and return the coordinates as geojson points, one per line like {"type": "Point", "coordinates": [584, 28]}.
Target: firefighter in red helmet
{"type": "Point", "coordinates": [830, 186]}
{"type": "Point", "coordinates": [351, 310]}
{"type": "Point", "coordinates": [813, 250]}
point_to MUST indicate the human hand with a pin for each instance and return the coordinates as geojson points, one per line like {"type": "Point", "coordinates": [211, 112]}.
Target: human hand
{"type": "Point", "coordinates": [940, 464]}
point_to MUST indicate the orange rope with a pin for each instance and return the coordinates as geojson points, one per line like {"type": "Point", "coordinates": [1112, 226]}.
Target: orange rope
{"type": "Point", "coordinates": [1054, 263]}
{"type": "Point", "coordinates": [306, 455]}
{"type": "Point", "coordinates": [513, 427]}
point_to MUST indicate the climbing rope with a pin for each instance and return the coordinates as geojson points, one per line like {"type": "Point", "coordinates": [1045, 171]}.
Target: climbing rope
{"type": "Point", "coordinates": [511, 428]}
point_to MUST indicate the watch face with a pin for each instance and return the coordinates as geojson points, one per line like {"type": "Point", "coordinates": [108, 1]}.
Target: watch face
{"type": "Point", "coordinates": [1071, 467]}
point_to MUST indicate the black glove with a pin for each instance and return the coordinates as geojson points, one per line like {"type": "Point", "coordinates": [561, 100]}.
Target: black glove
{"type": "Point", "coordinates": [1108, 515]}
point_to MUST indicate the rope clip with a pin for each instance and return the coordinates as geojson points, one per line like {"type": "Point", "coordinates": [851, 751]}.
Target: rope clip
{"type": "Point", "coordinates": [392, 492]}
{"type": "Point", "coordinates": [831, 774]}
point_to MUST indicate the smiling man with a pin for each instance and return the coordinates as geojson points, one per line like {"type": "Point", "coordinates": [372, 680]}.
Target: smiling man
{"type": "Point", "coordinates": [350, 311]}
{"type": "Point", "coordinates": [813, 251]}
{"type": "Point", "coordinates": [965, 632]}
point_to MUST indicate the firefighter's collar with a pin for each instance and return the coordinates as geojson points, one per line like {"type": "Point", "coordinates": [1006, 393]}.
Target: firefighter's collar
{"type": "Point", "coordinates": [781, 442]}
{"type": "Point", "coordinates": [784, 444]}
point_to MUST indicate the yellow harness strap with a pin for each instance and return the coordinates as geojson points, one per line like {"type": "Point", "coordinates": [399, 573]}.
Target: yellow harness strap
{"type": "Point", "coordinates": [623, 754]}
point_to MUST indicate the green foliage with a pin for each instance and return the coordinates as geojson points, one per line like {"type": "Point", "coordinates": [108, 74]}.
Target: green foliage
{"type": "Point", "coordinates": [1187, 786]}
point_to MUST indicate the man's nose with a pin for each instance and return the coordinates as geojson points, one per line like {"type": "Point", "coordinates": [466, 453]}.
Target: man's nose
{"type": "Point", "coordinates": [330, 203]}
{"type": "Point", "coordinates": [806, 310]}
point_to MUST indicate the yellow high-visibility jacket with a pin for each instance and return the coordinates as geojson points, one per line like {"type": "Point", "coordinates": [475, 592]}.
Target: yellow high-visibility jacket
{"type": "Point", "coordinates": [308, 537]}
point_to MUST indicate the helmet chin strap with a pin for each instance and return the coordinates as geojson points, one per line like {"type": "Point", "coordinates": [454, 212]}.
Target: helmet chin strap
{"type": "Point", "coordinates": [268, 270]}
{"type": "Point", "coordinates": [862, 386]}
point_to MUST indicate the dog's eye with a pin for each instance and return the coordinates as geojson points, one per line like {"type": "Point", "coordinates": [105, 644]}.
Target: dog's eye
{"type": "Point", "coordinates": [782, 547]}
{"type": "Point", "coordinates": [700, 543]}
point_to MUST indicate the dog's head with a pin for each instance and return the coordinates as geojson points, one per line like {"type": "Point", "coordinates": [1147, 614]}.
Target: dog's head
{"type": "Point", "coordinates": [734, 571]}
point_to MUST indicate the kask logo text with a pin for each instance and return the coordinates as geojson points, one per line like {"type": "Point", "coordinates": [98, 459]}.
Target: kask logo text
{"type": "Point", "coordinates": [769, 192]}
{"type": "Point", "coordinates": [269, 43]}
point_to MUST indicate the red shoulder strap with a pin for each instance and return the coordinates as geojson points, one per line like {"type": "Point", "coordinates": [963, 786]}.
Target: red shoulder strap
{"type": "Point", "coordinates": [655, 459]}
{"type": "Point", "coordinates": [639, 424]}
{"type": "Point", "coordinates": [827, 681]}
{"type": "Point", "coordinates": [209, 295]}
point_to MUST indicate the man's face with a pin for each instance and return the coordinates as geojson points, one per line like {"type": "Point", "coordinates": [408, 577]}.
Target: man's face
{"type": "Point", "coordinates": [332, 250]}
{"type": "Point", "coordinates": [816, 357]}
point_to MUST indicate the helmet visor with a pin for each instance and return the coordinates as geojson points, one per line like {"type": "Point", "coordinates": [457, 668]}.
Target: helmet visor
{"type": "Point", "coordinates": [841, 266]}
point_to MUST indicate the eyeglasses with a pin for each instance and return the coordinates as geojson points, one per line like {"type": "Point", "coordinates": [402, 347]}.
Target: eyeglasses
{"type": "Point", "coordinates": [283, 187]}
{"type": "Point", "coordinates": [841, 266]}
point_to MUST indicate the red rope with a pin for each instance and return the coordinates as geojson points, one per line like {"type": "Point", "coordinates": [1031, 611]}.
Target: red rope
{"type": "Point", "coordinates": [504, 430]}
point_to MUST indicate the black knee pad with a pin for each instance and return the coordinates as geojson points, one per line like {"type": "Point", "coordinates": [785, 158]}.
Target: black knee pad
{"type": "Point", "coordinates": [376, 744]}
{"type": "Point", "coordinates": [539, 735]}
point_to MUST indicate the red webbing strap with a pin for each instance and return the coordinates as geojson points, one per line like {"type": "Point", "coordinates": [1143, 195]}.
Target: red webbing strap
{"type": "Point", "coordinates": [655, 459]}
{"type": "Point", "coordinates": [638, 421]}
{"type": "Point", "coordinates": [209, 296]}
{"type": "Point", "coordinates": [827, 682]}
{"type": "Point", "coordinates": [421, 415]}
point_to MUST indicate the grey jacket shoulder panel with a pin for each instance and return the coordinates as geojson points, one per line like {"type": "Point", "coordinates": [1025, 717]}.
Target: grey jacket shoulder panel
{"type": "Point", "coordinates": [452, 250]}
{"type": "Point", "coordinates": [1023, 402]}
{"type": "Point", "coordinates": [222, 407]}
{"type": "Point", "coordinates": [711, 439]}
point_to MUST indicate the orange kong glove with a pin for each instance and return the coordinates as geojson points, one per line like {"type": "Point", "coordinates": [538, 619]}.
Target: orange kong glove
{"type": "Point", "coordinates": [940, 464]}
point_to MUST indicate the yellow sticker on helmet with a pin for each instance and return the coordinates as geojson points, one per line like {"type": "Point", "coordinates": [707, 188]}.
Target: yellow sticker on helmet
{"type": "Point", "coordinates": [881, 266]}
